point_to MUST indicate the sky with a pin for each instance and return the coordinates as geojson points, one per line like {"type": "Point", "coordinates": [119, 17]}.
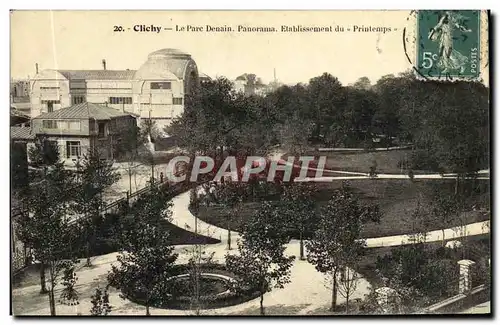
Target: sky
{"type": "Point", "coordinates": [81, 39]}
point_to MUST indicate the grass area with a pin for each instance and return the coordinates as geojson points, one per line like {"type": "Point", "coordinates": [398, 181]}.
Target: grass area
{"type": "Point", "coordinates": [386, 161]}
{"type": "Point", "coordinates": [397, 199]}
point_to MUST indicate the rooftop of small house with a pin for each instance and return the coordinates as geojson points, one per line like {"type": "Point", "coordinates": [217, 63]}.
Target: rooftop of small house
{"type": "Point", "coordinates": [85, 111]}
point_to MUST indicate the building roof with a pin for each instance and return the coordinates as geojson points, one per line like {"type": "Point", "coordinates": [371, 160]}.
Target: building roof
{"type": "Point", "coordinates": [84, 111]}
{"type": "Point", "coordinates": [169, 53]}
{"type": "Point", "coordinates": [98, 74]}
{"type": "Point", "coordinates": [164, 64]}
{"type": "Point", "coordinates": [21, 133]}
{"type": "Point", "coordinates": [16, 113]}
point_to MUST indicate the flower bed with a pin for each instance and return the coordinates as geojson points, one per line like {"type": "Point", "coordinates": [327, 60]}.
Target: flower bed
{"type": "Point", "coordinates": [224, 292]}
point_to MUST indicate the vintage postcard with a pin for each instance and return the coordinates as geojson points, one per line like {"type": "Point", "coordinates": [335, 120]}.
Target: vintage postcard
{"type": "Point", "coordinates": [238, 163]}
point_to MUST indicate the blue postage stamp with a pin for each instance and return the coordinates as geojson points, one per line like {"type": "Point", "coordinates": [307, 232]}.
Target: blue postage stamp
{"type": "Point", "coordinates": [448, 44]}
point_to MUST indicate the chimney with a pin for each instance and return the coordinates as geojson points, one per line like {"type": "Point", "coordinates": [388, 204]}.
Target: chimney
{"type": "Point", "coordinates": [36, 68]}
{"type": "Point", "coordinates": [103, 64]}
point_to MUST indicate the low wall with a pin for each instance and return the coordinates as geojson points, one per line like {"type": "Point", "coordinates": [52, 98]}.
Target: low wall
{"type": "Point", "coordinates": [460, 302]}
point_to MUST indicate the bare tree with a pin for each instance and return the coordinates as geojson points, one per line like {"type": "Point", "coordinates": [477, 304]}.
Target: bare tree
{"type": "Point", "coordinates": [348, 284]}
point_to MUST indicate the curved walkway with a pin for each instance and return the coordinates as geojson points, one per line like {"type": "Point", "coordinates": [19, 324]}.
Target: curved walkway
{"type": "Point", "coordinates": [182, 217]}
{"type": "Point", "coordinates": [307, 287]}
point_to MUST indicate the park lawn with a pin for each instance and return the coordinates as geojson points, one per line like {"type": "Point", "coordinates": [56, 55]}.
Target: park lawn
{"type": "Point", "coordinates": [385, 161]}
{"type": "Point", "coordinates": [397, 199]}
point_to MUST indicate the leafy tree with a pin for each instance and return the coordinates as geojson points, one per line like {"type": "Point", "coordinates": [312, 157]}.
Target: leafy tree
{"type": "Point", "coordinates": [210, 114]}
{"type": "Point", "coordinates": [44, 153]}
{"type": "Point", "coordinates": [46, 229]}
{"type": "Point", "coordinates": [69, 293]}
{"type": "Point", "coordinates": [94, 176]}
{"type": "Point", "coordinates": [327, 98]}
{"type": "Point", "coordinates": [362, 83]}
{"type": "Point", "coordinates": [147, 257]}
{"type": "Point", "coordinates": [336, 243]}
{"type": "Point", "coordinates": [148, 131]}
{"type": "Point", "coordinates": [100, 303]}
{"type": "Point", "coordinates": [444, 209]}
{"type": "Point", "coordinates": [18, 166]}
{"type": "Point", "coordinates": [46, 200]}
{"type": "Point", "coordinates": [261, 262]}
{"type": "Point", "coordinates": [360, 108]}
{"type": "Point", "coordinates": [299, 209]}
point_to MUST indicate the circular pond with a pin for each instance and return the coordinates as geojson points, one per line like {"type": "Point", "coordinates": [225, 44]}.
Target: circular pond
{"type": "Point", "coordinates": [217, 288]}
{"type": "Point", "coordinates": [209, 284]}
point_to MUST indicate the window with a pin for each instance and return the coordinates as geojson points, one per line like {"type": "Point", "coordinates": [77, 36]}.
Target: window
{"type": "Point", "coordinates": [78, 99]}
{"type": "Point", "coordinates": [161, 85]}
{"type": "Point", "coordinates": [74, 125]}
{"type": "Point", "coordinates": [51, 101]}
{"type": "Point", "coordinates": [120, 100]}
{"type": "Point", "coordinates": [62, 125]}
{"type": "Point", "coordinates": [102, 130]}
{"type": "Point", "coordinates": [177, 101]}
{"type": "Point", "coordinates": [49, 124]}
{"type": "Point", "coordinates": [47, 88]}
{"type": "Point", "coordinates": [73, 149]}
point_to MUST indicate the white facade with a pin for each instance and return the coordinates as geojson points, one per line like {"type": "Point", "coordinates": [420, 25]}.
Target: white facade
{"type": "Point", "coordinates": [156, 90]}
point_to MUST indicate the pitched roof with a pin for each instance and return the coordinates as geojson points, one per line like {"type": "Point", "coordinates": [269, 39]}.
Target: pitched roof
{"type": "Point", "coordinates": [98, 74]}
{"type": "Point", "coordinates": [16, 113]}
{"type": "Point", "coordinates": [21, 133]}
{"type": "Point", "coordinates": [84, 111]}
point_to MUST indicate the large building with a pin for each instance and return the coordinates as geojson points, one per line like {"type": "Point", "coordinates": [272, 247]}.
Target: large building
{"type": "Point", "coordinates": [77, 128]}
{"type": "Point", "coordinates": [155, 91]}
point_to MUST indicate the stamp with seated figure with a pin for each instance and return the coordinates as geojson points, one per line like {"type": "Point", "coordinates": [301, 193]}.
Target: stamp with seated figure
{"type": "Point", "coordinates": [448, 44]}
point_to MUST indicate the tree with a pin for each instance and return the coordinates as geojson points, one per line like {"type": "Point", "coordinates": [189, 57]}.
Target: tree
{"type": "Point", "coordinates": [147, 257]}
{"type": "Point", "coordinates": [261, 262]}
{"type": "Point", "coordinates": [198, 257]}
{"type": "Point", "coordinates": [360, 107]}
{"type": "Point", "coordinates": [94, 176]}
{"type": "Point", "coordinates": [100, 303]}
{"type": "Point", "coordinates": [230, 195]}
{"type": "Point", "coordinates": [348, 285]}
{"type": "Point", "coordinates": [299, 209]}
{"type": "Point", "coordinates": [69, 294]}
{"type": "Point", "coordinates": [129, 148]}
{"type": "Point", "coordinates": [46, 227]}
{"type": "Point", "coordinates": [419, 221]}
{"type": "Point", "coordinates": [445, 209]}
{"type": "Point", "coordinates": [46, 199]}
{"type": "Point", "coordinates": [18, 166]}
{"type": "Point", "coordinates": [326, 96]}
{"type": "Point", "coordinates": [336, 243]}
{"type": "Point", "coordinates": [362, 83]}
{"type": "Point", "coordinates": [211, 113]}
{"type": "Point", "coordinates": [44, 152]}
